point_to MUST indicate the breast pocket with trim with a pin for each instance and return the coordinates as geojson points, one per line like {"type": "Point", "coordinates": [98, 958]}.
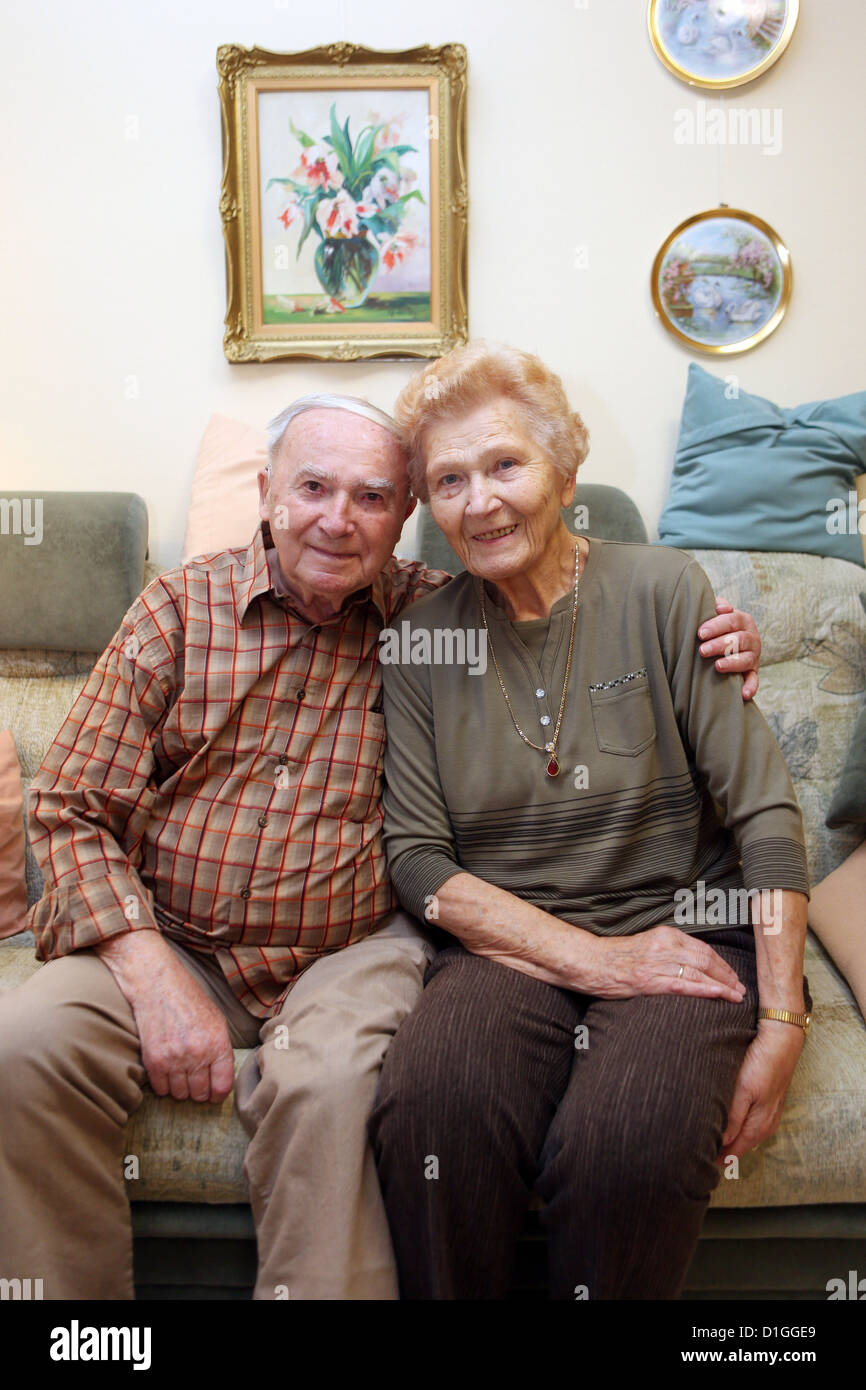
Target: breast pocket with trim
{"type": "Point", "coordinates": [623, 716]}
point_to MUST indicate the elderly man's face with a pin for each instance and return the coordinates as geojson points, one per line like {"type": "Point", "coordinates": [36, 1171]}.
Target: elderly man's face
{"type": "Point", "coordinates": [336, 504]}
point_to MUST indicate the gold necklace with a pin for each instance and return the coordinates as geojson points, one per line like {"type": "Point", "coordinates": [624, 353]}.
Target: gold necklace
{"type": "Point", "coordinates": [552, 768]}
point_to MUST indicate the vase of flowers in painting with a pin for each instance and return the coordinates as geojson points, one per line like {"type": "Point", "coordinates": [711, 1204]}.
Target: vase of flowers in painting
{"type": "Point", "coordinates": [346, 267]}
{"type": "Point", "coordinates": [347, 256]}
{"type": "Point", "coordinates": [352, 194]}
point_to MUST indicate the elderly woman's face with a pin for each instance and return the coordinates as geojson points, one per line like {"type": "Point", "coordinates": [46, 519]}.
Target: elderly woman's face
{"type": "Point", "coordinates": [493, 490]}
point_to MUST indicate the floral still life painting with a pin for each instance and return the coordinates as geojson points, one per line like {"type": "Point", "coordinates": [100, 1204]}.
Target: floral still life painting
{"type": "Point", "coordinates": [720, 43]}
{"type": "Point", "coordinates": [345, 221]}
{"type": "Point", "coordinates": [721, 281]}
{"type": "Point", "coordinates": [344, 201]}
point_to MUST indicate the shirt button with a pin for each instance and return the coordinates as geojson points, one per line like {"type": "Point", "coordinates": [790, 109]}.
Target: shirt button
{"type": "Point", "coordinates": [245, 892]}
{"type": "Point", "coordinates": [283, 759]}
{"type": "Point", "coordinates": [263, 820]}
{"type": "Point", "coordinates": [545, 719]}
{"type": "Point", "coordinates": [301, 694]}
{"type": "Point", "coordinates": [540, 693]}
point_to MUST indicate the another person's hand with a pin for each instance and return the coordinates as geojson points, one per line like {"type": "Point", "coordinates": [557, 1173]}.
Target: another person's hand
{"type": "Point", "coordinates": [185, 1045]}
{"type": "Point", "coordinates": [648, 962]}
{"type": "Point", "coordinates": [762, 1085]}
{"type": "Point", "coordinates": [733, 639]}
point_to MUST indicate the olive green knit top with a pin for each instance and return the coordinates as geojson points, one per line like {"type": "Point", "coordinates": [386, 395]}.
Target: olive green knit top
{"type": "Point", "coordinates": [668, 781]}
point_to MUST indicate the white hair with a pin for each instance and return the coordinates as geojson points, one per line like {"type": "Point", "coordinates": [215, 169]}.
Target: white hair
{"type": "Point", "coordinates": [277, 427]}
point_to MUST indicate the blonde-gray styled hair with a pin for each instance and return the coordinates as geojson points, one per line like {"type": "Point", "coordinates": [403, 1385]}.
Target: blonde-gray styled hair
{"type": "Point", "coordinates": [471, 375]}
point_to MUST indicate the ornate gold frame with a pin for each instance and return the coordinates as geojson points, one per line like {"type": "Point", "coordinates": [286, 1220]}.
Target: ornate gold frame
{"type": "Point", "coordinates": [722, 84]}
{"type": "Point", "coordinates": [744, 344]}
{"type": "Point", "coordinates": [244, 71]}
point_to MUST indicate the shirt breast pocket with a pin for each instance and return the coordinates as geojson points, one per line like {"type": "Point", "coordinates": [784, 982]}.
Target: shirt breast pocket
{"type": "Point", "coordinates": [622, 713]}
{"type": "Point", "coordinates": [355, 765]}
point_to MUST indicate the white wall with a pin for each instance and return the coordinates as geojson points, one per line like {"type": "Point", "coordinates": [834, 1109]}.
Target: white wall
{"type": "Point", "coordinates": [114, 263]}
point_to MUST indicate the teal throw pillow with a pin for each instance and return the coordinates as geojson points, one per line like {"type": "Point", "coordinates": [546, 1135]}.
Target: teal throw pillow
{"type": "Point", "coordinates": [750, 475]}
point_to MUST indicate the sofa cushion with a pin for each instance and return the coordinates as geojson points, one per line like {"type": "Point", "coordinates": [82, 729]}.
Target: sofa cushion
{"type": "Point", "coordinates": [813, 672]}
{"type": "Point", "coordinates": [188, 1151]}
{"type": "Point", "coordinates": [224, 504]}
{"type": "Point", "coordinates": [751, 475]}
{"type": "Point", "coordinates": [74, 586]}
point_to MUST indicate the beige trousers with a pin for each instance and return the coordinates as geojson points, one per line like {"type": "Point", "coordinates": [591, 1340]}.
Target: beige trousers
{"type": "Point", "coordinates": [71, 1075]}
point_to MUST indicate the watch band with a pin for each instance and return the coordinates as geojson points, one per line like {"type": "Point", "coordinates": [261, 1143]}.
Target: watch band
{"type": "Point", "coordinates": [803, 1021]}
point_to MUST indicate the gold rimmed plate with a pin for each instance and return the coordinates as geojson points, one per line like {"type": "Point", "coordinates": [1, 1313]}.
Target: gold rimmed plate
{"type": "Point", "coordinates": [721, 281]}
{"type": "Point", "coordinates": [717, 44]}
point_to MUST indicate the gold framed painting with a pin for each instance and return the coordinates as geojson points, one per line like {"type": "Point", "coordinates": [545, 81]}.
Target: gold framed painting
{"type": "Point", "coordinates": [716, 44]}
{"type": "Point", "coordinates": [344, 201]}
{"type": "Point", "coordinates": [721, 281]}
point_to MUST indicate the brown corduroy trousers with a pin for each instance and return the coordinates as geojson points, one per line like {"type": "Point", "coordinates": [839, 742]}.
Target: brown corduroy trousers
{"type": "Point", "coordinates": [612, 1110]}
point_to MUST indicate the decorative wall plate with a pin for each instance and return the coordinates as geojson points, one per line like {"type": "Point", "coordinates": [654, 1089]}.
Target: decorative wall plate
{"type": "Point", "coordinates": [721, 281]}
{"type": "Point", "coordinates": [720, 43]}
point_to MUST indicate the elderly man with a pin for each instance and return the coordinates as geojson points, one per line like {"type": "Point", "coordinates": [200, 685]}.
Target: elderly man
{"type": "Point", "coordinates": [208, 823]}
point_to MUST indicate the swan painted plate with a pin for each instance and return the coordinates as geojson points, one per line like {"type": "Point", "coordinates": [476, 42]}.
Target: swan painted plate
{"type": "Point", "coordinates": [721, 281]}
{"type": "Point", "coordinates": [720, 43]}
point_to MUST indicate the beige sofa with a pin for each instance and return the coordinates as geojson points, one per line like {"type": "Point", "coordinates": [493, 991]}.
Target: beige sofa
{"type": "Point", "coordinates": [795, 1216]}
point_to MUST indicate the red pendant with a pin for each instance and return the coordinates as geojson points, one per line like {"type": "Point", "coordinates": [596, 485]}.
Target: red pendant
{"type": "Point", "coordinates": [553, 766]}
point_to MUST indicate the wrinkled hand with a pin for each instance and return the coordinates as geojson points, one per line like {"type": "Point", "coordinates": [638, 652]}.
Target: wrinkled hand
{"type": "Point", "coordinates": [649, 963]}
{"type": "Point", "coordinates": [733, 638]}
{"type": "Point", "coordinates": [185, 1045]}
{"type": "Point", "coordinates": [762, 1085]}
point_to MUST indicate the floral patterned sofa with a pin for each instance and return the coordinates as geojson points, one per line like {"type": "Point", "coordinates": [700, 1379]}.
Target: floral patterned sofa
{"type": "Point", "coordinates": [796, 1215]}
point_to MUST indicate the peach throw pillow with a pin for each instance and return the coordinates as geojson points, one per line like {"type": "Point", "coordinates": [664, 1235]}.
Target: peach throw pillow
{"type": "Point", "coordinates": [13, 885]}
{"type": "Point", "coordinates": [224, 506]}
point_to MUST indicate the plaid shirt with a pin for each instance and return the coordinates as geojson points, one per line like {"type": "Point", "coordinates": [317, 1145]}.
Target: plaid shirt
{"type": "Point", "coordinates": [219, 776]}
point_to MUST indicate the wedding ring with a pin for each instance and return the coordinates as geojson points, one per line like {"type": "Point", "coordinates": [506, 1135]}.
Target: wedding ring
{"type": "Point", "coordinates": [680, 972]}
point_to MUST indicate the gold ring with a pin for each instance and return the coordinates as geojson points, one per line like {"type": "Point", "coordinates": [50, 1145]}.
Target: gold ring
{"type": "Point", "coordinates": [680, 972]}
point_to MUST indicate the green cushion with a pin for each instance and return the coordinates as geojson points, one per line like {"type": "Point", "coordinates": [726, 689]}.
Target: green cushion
{"type": "Point", "coordinates": [749, 475]}
{"type": "Point", "coordinates": [74, 562]}
{"type": "Point", "coordinates": [610, 514]}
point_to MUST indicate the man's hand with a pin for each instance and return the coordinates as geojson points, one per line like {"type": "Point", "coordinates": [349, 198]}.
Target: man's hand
{"type": "Point", "coordinates": [733, 638]}
{"type": "Point", "coordinates": [762, 1085]}
{"type": "Point", "coordinates": [185, 1044]}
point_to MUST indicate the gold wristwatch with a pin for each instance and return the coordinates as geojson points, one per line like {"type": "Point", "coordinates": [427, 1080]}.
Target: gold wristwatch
{"type": "Point", "coordinates": [803, 1021]}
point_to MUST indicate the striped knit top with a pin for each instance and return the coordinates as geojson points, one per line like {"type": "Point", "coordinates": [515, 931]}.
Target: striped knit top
{"type": "Point", "coordinates": [668, 780]}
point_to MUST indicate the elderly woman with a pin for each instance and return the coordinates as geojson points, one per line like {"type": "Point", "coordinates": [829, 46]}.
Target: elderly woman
{"type": "Point", "coordinates": [585, 819]}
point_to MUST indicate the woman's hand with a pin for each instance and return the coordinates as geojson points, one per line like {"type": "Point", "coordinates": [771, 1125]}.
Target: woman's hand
{"type": "Point", "coordinates": [762, 1085]}
{"type": "Point", "coordinates": [733, 638]}
{"type": "Point", "coordinates": [649, 963]}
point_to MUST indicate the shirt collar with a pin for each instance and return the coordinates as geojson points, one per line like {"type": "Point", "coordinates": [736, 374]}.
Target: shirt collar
{"type": "Point", "coordinates": [254, 580]}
